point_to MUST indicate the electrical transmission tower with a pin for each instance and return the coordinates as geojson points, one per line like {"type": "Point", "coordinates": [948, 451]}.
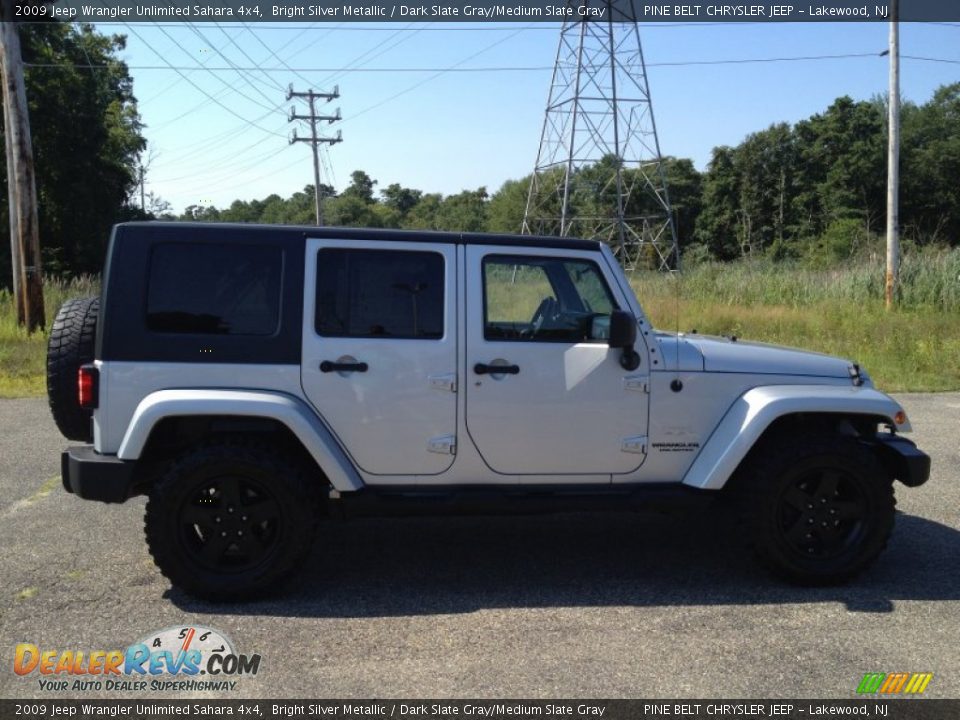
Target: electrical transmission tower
{"type": "Point", "coordinates": [599, 173]}
{"type": "Point", "coordinates": [315, 140]}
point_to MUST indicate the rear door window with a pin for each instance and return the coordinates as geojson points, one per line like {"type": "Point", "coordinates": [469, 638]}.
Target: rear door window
{"type": "Point", "coordinates": [380, 293]}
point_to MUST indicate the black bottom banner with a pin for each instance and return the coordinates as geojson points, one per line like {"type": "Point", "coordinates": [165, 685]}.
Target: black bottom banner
{"type": "Point", "coordinates": [881, 709]}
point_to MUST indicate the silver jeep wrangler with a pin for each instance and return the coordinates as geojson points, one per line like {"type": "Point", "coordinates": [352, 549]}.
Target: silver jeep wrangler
{"type": "Point", "coordinates": [252, 379]}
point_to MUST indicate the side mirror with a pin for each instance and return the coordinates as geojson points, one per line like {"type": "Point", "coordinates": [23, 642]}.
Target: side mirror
{"type": "Point", "coordinates": [623, 335]}
{"type": "Point", "coordinates": [623, 329]}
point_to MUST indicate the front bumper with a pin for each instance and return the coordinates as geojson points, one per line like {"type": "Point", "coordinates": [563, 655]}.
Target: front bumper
{"type": "Point", "coordinates": [92, 476]}
{"type": "Point", "coordinates": [904, 459]}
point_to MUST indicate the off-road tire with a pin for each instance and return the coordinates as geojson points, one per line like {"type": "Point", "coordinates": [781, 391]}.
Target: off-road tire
{"type": "Point", "coordinates": [272, 521]}
{"type": "Point", "coordinates": [794, 491]}
{"type": "Point", "coordinates": [71, 345]}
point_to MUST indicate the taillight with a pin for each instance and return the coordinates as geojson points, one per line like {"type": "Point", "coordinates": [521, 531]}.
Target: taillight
{"type": "Point", "coordinates": [88, 387]}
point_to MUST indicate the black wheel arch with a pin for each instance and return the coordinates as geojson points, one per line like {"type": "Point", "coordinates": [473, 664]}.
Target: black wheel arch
{"type": "Point", "coordinates": [863, 427]}
{"type": "Point", "coordinates": [178, 433]}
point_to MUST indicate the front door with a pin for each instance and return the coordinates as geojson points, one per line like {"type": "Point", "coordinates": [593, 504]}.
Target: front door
{"type": "Point", "coordinates": [545, 394]}
{"type": "Point", "coordinates": [380, 351]}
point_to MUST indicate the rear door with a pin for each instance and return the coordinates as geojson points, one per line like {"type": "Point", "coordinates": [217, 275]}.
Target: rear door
{"type": "Point", "coordinates": [380, 351]}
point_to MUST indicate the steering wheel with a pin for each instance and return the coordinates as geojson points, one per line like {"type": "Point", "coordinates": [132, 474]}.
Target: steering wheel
{"type": "Point", "coordinates": [546, 308]}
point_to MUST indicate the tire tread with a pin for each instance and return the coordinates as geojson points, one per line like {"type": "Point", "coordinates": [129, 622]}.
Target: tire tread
{"type": "Point", "coordinates": [163, 498]}
{"type": "Point", "coordinates": [775, 458]}
{"type": "Point", "coordinates": [70, 345]}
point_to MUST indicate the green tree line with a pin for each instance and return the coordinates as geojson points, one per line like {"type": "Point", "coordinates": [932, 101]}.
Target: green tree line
{"type": "Point", "coordinates": [814, 190]}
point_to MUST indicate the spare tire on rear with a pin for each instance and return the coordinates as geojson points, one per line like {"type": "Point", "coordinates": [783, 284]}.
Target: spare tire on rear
{"type": "Point", "coordinates": [71, 345]}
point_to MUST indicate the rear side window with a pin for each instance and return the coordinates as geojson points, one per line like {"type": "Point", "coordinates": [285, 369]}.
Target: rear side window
{"type": "Point", "coordinates": [379, 293]}
{"type": "Point", "coordinates": [214, 289]}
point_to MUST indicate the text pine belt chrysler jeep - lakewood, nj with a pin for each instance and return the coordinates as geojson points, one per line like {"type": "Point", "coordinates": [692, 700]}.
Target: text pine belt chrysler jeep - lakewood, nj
{"type": "Point", "coordinates": [251, 379]}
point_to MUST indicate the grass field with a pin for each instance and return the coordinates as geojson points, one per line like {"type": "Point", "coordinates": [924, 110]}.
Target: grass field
{"type": "Point", "coordinates": [837, 311]}
{"type": "Point", "coordinates": [22, 356]}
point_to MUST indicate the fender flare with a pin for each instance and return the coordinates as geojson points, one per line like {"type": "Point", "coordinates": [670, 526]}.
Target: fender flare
{"type": "Point", "coordinates": [285, 409]}
{"type": "Point", "coordinates": [754, 411]}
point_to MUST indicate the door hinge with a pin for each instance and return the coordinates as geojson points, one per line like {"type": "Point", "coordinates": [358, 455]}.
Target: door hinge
{"type": "Point", "coordinates": [446, 382]}
{"type": "Point", "coordinates": [445, 445]}
{"type": "Point", "coordinates": [636, 383]}
{"type": "Point", "coordinates": [636, 444]}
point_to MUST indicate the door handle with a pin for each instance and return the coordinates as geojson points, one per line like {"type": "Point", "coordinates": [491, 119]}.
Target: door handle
{"type": "Point", "coordinates": [484, 369]}
{"type": "Point", "coordinates": [327, 366]}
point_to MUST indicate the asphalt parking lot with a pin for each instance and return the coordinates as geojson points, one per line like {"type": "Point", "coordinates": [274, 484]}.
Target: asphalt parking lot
{"type": "Point", "coordinates": [585, 605]}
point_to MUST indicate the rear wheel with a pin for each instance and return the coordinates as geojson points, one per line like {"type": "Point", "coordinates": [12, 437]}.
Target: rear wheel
{"type": "Point", "coordinates": [71, 345]}
{"type": "Point", "coordinates": [820, 510]}
{"type": "Point", "coordinates": [230, 521]}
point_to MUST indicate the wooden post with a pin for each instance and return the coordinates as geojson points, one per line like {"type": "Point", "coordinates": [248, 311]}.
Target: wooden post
{"type": "Point", "coordinates": [14, 225]}
{"type": "Point", "coordinates": [20, 159]}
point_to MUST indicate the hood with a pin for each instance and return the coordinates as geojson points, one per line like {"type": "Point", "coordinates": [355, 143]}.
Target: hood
{"type": "Point", "coordinates": [726, 355]}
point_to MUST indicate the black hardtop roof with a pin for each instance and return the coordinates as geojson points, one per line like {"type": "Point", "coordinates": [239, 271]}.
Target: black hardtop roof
{"type": "Point", "coordinates": [345, 233]}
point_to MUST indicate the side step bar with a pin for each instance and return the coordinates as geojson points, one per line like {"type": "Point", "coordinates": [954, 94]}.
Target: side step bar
{"type": "Point", "coordinates": [512, 500]}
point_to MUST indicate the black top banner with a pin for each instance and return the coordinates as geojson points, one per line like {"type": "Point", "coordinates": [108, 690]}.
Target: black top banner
{"type": "Point", "coordinates": [487, 11]}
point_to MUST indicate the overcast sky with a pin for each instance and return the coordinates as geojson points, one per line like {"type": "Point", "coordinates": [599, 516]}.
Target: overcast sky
{"type": "Point", "coordinates": [448, 131]}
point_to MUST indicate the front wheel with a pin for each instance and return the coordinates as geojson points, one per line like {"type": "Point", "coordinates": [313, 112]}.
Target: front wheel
{"type": "Point", "coordinates": [820, 509]}
{"type": "Point", "coordinates": [230, 521]}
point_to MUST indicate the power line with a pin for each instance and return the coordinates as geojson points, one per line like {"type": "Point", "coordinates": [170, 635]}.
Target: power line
{"type": "Point", "coordinates": [507, 68]}
{"type": "Point", "coordinates": [275, 55]}
{"type": "Point", "coordinates": [238, 158]}
{"type": "Point", "coordinates": [200, 89]}
{"type": "Point", "coordinates": [232, 65]}
{"type": "Point", "coordinates": [222, 137]}
{"type": "Point", "coordinates": [370, 54]}
{"type": "Point", "coordinates": [204, 103]}
{"type": "Point", "coordinates": [244, 53]}
{"type": "Point", "coordinates": [744, 61]}
{"type": "Point", "coordinates": [173, 84]}
{"type": "Point", "coordinates": [324, 154]}
{"type": "Point", "coordinates": [201, 104]}
{"type": "Point", "coordinates": [293, 164]}
{"type": "Point", "coordinates": [930, 59]}
{"type": "Point", "coordinates": [190, 68]}
{"type": "Point", "coordinates": [416, 85]}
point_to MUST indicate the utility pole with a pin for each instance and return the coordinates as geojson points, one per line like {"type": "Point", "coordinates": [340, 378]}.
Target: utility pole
{"type": "Point", "coordinates": [143, 199]}
{"type": "Point", "coordinates": [15, 263]}
{"type": "Point", "coordinates": [315, 140]}
{"type": "Point", "coordinates": [893, 163]}
{"type": "Point", "coordinates": [25, 240]}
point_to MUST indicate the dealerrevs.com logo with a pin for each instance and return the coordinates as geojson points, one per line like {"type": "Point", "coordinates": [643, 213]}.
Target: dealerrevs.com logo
{"type": "Point", "coordinates": [174, 659]}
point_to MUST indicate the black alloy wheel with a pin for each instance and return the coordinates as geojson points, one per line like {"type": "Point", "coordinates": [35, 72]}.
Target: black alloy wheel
{"type": "Point", "coordinates": [230, 524]}
{"type": "Point", "coordinates": [232, 520]}
{"type": "Point", "coordinates": [820, 508]}
{"type": "Point", "coordinates": [822, 513]}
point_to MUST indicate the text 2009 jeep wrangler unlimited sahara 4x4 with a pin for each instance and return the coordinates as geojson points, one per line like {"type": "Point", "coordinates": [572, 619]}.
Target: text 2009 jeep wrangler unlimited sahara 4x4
{"type": "Point", "coordinates": [248, 378]}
